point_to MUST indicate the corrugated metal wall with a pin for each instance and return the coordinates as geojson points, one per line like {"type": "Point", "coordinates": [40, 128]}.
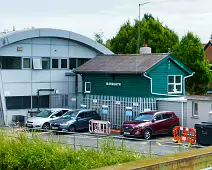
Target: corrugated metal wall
{"type": "Point", "coordinates": [175, 106]}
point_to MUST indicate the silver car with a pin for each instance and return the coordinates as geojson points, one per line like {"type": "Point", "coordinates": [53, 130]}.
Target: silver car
{"type": "Point", "coordinates": [43, 118]}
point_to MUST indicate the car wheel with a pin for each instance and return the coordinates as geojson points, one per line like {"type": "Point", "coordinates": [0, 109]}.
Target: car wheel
{"type": "Point", "coordinates": [171, 131]}
{"type": "Point", "coordinates": [72, 128]}
{"type": "Point", "coordinates": [147, 134]}
{"type": "Point", "coordinates": [46, 126]}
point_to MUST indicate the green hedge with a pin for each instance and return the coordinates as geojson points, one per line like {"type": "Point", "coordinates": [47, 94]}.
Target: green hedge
{"type": "Point", "coordinates": [21, 152]}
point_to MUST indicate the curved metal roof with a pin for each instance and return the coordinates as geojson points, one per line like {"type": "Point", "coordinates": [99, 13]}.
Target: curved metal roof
{"type": "Point", "coordinates": [12, 37]}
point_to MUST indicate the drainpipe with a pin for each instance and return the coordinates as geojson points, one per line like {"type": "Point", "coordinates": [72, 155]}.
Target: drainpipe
{"type": "Point", "coordinates": [76, 89]}
{"type": "Point", "coordinates": [184, 81]}
{"type": "Point", "coordinates": [38, 95]}
{"type": "Point", "coordinates": [182, 107]}
{"type": "Point", "coordinates": [157, 93]}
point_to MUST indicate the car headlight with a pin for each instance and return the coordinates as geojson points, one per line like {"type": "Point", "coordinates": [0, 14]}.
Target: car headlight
{"type": "Point", "coordinates": [138, 126]}
{"type": "Point", "coordinates": [64, 124]}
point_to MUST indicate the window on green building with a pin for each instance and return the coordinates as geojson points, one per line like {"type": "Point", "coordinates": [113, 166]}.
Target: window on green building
{"type": "Point", "coordinates": [174, 84]}
{"type": "Point", "coordinates": [87, 87]}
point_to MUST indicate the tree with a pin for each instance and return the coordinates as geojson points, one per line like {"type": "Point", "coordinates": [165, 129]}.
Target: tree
{"type": "Point", "coordinates": [160, 38]}
{"type": "Point", "coordinates": [98, 38]}
{"type": "Point", "coordinates": [190, 52]}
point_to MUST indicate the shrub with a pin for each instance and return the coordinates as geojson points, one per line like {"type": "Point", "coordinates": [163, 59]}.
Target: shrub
{"type": "Point", "coordinates": [21, 152]}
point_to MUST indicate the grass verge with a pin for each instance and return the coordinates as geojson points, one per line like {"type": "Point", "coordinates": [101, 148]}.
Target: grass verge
{"type": "Point", "coordinates": [22, 153]}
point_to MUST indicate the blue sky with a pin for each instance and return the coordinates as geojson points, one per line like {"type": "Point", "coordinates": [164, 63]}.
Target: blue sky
{"type": "Point", "coordinates": [87, 17]}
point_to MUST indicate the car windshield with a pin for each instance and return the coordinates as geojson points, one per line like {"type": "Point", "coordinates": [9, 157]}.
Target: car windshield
{"type": "Point", "coordinates": [70, 115]}
{"type": "Point", "coordinates": [144, 117]}
{"type": "Point", "coordinates": [45, 113]}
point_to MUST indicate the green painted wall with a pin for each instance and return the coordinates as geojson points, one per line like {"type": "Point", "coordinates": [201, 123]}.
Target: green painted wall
{"type": "Point", "coordinates": [160, 74]}
{"type": "Point", "coordinates": [137, 85]}
{"type": "Point", "coordinates": [131, 85]}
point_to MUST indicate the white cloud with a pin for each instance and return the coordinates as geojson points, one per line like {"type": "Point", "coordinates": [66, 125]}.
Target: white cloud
{"type": "Point", "coordinates": [86, 17]}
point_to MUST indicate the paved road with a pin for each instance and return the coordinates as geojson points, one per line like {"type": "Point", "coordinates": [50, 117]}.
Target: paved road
{"type": "Point", "coordinates": [158, 146]}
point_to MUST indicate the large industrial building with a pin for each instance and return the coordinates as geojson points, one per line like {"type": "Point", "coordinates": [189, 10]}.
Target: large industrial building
{"type": "Point", "coordinates": [40, 62]}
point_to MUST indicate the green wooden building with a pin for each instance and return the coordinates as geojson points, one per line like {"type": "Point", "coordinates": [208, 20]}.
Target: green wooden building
{"type": "Point", "coordinates": [140, 75]}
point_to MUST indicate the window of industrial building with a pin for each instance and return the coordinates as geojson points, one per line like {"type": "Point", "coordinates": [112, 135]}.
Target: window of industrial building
{"type": "Point", "coordinates": [81, 61]}
{"type": "Point", "coordinates": [64, 100]}
{"type": "Point", "coordinates": [43, 101]}
{"type": "Point", "coordinates": [174, 84]}
{"type": "Point", "coordinates": [55, 63]}
{"type": "Point", "coordinates": [194, 109]}
{"type": "Point", "coordinates": [37, 63]}
{"type": "Point", "coordinates": [45, 63]}
{"type": "Point", "coordinates": [26, 63]}
{"type": "Point", "coordinates": [64, 63]}
{"type": "Point", "coordinates": [18, 102]}
{"type": "Point", "coordinates": [7, 62]}
{"type": "Point", "coordinates": [72, 63]}
{"type": "Point", "coordinates": [87, 87]}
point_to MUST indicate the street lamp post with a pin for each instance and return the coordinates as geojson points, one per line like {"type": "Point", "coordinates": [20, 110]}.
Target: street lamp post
{"type": "Point", "coordinates": [139, 19]}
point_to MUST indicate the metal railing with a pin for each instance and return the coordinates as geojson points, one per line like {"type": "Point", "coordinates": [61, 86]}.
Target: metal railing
{"type": "Point", "coordinates": [76, 140]}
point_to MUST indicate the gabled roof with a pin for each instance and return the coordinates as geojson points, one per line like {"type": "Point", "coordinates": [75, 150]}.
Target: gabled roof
{"type": "Point", "coordinates": [126, 64]}
{"type": "Point", "coordinates": [206, 45]}
{"type": "Point", "coordinates": [177, 62]}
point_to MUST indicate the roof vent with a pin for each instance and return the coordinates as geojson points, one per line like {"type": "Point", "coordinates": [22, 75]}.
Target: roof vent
{"type": "Point", "coordinates": [145, 50]}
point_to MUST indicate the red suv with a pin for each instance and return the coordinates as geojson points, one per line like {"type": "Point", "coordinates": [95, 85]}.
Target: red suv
{"type": "Point", "coordinates": [151, 123]}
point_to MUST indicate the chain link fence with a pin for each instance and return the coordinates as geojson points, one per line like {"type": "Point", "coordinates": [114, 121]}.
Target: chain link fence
{"type": "Point", "coordinates": [152, 148]}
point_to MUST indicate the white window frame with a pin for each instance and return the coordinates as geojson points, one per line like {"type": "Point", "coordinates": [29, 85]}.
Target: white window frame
{"type": "Point", "coordinates": [58, 63]}
{"type": "Point", "coordinates": [49, 62]}
{"type": "Point", "coordinates": [86, 86]}
{"type": "Point", "coordinates": [61, 63]}
{"type": "Point", "coordinates": [30, 62]}
{"type": "Point", "coordinates": [175, 84]}
{"type": "Point", "coordinates": [194, 114]}
{"type": "Point", "coordinates": [38, 61]}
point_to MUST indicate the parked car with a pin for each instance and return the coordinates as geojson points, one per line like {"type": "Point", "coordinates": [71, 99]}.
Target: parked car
{"type": "Point", "coordinates": [42, 119]}
{"type": "Point", "coordinates": [74, 120]}
{"type": "Point", "coordinates": [150, 123]}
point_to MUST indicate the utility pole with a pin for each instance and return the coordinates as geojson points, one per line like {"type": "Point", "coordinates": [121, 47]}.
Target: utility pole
{"type": "Point", "coordinates": [139, 19]}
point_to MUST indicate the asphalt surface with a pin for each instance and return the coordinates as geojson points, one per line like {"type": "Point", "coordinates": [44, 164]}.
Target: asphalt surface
{"type": "Point", "coordinates": [158, 146]}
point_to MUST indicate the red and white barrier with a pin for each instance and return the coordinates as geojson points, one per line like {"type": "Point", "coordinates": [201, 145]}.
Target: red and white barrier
{"type": "Point", "coordinates": [100, 127]}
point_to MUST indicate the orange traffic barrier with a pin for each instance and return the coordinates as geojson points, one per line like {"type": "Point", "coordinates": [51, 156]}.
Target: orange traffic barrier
{"type": "Point", "coordinates": [185, 134]}
{"type": "Point", "coordinates": [192, 137]}
{"type": "Point", "coordinates": [176, 133]}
